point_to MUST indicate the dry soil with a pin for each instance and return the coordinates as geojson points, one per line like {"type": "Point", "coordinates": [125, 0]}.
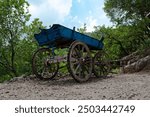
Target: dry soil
{"type": "Point", "coordinates": [121, 87]}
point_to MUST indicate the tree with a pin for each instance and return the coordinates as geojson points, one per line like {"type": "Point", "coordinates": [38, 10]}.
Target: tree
{"type": "Point", "coordinates": [113, 41]}
{"type": "Point", "coordinates": [126, 11]}
{"type": "Point", "coordinates": [131, 23]}
{"type": "Point", "coordinates": [26, 47]}
{"type": "Point", "coordinates": [13, 17]}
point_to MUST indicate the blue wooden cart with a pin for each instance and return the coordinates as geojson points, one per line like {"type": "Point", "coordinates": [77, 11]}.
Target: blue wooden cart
{"type": "Point", "coordinates": [80, 63]}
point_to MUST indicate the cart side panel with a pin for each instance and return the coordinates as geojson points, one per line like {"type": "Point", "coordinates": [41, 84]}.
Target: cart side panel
{"type": "Point", "coordinates": [47, 36]}
{"type": "Point", "coordinates": [67, 33]}
{"type": "Point", "coordinates": [91, 42]}
{"type": "Point", "coordinates": [41, 39]}
{"type": "Point", "coordinates": [73, 35]}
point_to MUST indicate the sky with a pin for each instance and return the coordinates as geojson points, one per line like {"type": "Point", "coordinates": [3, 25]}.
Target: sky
{"type": "Point", "coordinates": [70, 13]}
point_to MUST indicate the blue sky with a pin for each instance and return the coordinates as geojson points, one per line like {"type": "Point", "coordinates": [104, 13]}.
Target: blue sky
{"type": "Point", "coordinates": [69, 12]}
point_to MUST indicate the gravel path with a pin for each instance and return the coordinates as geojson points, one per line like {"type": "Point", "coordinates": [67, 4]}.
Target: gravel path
{"type": "Point", "coordinates": [124, 86]}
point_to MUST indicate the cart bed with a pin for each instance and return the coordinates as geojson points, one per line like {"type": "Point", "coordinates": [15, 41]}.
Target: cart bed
{"type": "Point", "coordinates": [60, 36]}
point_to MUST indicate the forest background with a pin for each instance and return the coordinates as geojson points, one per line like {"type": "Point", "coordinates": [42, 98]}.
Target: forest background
{"type": "Point", "coordinates": [129, 33]}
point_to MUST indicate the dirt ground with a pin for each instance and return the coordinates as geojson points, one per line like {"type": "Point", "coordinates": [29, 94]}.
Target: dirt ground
{"type": "Point", "coordinates": [121, 86]}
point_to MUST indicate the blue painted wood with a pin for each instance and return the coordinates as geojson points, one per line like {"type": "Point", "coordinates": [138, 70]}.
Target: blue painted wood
{"type": "Point", "coordinates": [59, 35]}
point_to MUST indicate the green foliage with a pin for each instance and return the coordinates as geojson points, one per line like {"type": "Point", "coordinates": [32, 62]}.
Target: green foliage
{"type": "Point", "coordinates": [4, 78]}
{"type": "Point", "coordinates": [26, 47]}
{"type": "Point", "coordinates": [126, 11]}
{"type": "Point", "coordinates": [13, 18]}
{"type": "Point", "coordinates": [16, 38]}
{"type": "Point", "coordinates": [82, 30]}
{"type": "Point", "coordinates": [130, 32]}
{"type": "Point", "coordinates": [111, 45]}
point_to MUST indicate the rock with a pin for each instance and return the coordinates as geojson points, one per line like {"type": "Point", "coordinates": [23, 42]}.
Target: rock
{"type": "Point", "coordinates": [140, 64]}
{"type": "Point", "coordinates": [137, 66]}
{"type": "Point", "coordinates": [134, 59]}
{"type": "Point", "coordinates": [125, 59]}
{"type": "Point", "coordinates": [129, 68]}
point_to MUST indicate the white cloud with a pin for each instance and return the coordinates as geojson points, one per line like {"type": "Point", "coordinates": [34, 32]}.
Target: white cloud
{"type": "Point", "coordinates": [61, 7]}
{"type": "Point", "coordinates": [102, 19]}
{"type": "Point", "coordinates": [59, 11]}
{"type": "Point", "coordinates": [51, 11]}
{"type": "Point", "coordinates": [95, 18]}
{"type": "Point", "coordinates": [91, 22]}
{"type": "Point", "coordinates": [33, 10]}
{"type": "Point", "coordinates": [78, 1]}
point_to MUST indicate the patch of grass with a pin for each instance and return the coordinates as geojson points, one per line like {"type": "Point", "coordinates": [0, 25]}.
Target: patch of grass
{"type": "Point", "coordinates": [4, 78]}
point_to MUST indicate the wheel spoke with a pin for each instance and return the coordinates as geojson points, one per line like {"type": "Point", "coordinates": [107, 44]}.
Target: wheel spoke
{"type": "Point", "coordinates": [77, 52]}
{"type": "Point", "coordinates": [82, 49]}
{"type": "Point", "coordinates": [77, 68]}
{"type": "Point", "coordinates": [78, 46]}
{"type": "Point", "coordinates": [86, 69]}
{"type": "Point", "coordinates": [80, 71]}
{"type": "Point", "coordinates": [75, 62]}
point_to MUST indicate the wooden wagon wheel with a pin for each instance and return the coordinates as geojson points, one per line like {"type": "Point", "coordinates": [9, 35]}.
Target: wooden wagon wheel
{"type": "Point", "coordinates": [101, 64]}
{"type": "Point", "coordinates": [79, 61]}
{"type": "Point", "coordinates": [43, 66]}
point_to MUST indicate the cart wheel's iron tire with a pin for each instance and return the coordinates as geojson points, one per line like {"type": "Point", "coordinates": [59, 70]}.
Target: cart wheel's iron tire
{"type": "Point", "coordinates": [79, 61]}
{"type": "Point", "coordinates": [43, 54]}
